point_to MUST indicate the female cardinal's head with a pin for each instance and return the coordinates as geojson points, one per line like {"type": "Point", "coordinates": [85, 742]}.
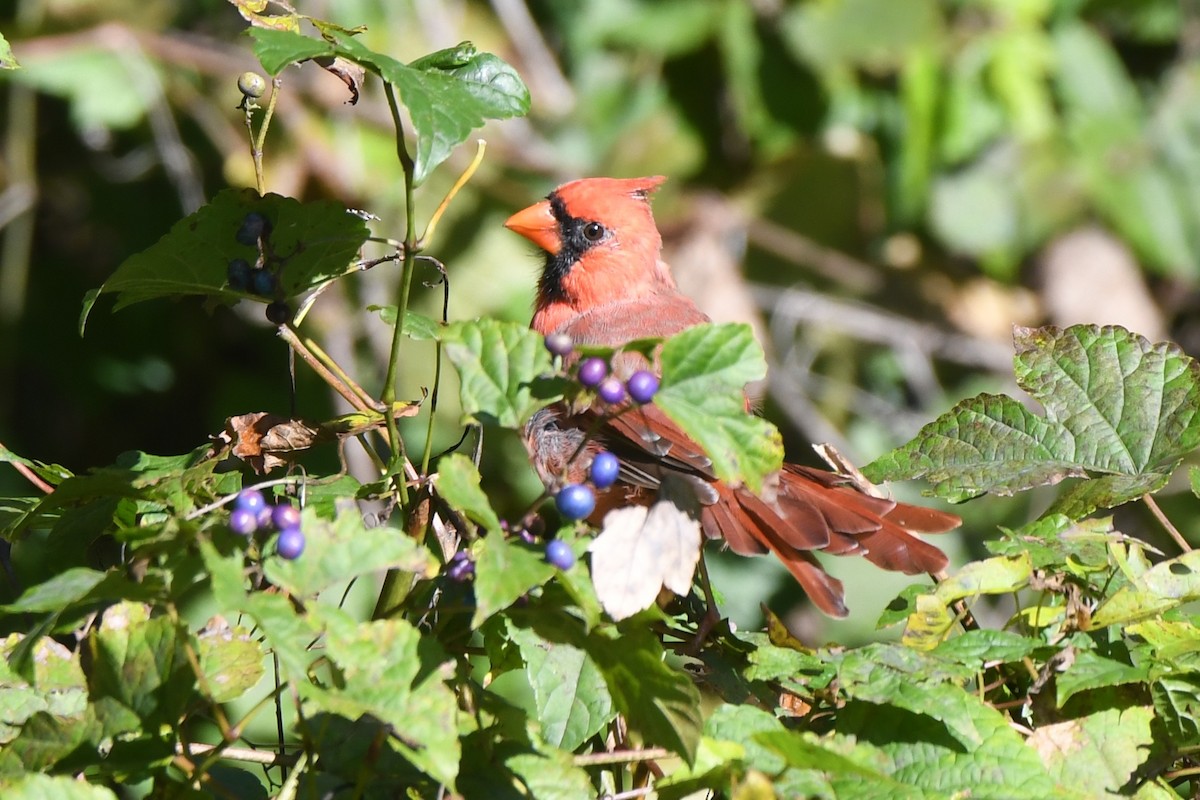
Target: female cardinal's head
{"type": "Point", "coordinates": [600, 241]}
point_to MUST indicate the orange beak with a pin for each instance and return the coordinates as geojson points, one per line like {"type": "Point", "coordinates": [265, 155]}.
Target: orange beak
{"type": "Point", "coordinates": [538, 225]}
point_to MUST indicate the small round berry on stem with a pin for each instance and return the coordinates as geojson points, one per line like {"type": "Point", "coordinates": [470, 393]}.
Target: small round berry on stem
{"type": "Point", "coordinates": [575, 501]}
{"type": "Point", "coordinates": [642, 386]}
{"type": "Point", "coordinates": [285, 515]}
{"type": "Point", "coordinates": [604, 470]}
{"type": "Point", "coordinates": [250, 499]}
{"type": "Point", "coordinates": [252, 85]}
{"type": "Point", "coordinates": [262, 282]}
{"type": "Point", "coordinates": [592, 371]}
{"type": "Point", "coordinates": [243, 521]}
{"type": "Point", "coordinates": [610, 390]}
{"type": "Point", "coordinates": [559, 344]}
{"type": "Point", "coordinates": [254, 225]}
{"type": "Point", "coordinates": [279, 312]}
{"type": "Point", "coordinates": [238, 274]}
{"type": "Point", "coordinates": [290, 544]}
{"type": "Point", "coordinates": [559, 554]}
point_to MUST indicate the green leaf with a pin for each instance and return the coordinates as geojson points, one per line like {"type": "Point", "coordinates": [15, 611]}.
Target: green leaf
{"type": "Point", "coordinates": [103, 86]}
{"type": "Point", "coordinates": [921, 755]}
{"type": "Point", "coordinates": [1000, 575]}
{"type": "Point", "coordinates": [1098, 754]}
{"type": "Point", "coordinates": [705, 372]}
{"type": "Point", "coordinates": [1115, 404]}
{"type": "Point", "coordinates": [746, 726]}
{"type": "Point", "coordinates": [552, 776]}
{"type": "Point", "coordinates": [1168, 585]}
{"type": "Point", "coordinates": [807, 751]}
{"type": "Point", "coordinates": [904, 678]}
{"type": "Point", "coordinates": [230, 658]}
{"type": "Point", "coordinates": [1090, 670]}
{"type": "Point", "coordinates": [571, 700]}
{"type": "Point", "coordinates": [388, 673]}
{"type": "Point", "coordinates": [977, 647]}
{"type": "Point", "coordinates": [7, 61]}
{"type": "Point", "coordinates": [278, 48]}
{"type": "Point", "coordinates": [445, 105]}
{"type": "Point", "coordinates": [417, 327]}
{"type": "Point", "coordinates": [137, 662]}
{"type": "Point", "coordinates": [311, 242]}
{"type": "Point", "coordinates": [57, 686]}
{"type": "Point", "coordinates": [503, 572]}
{"type": "Point", "coordinates": [1176, 700]}
{"type": "Point", "coordinates": [336, 551]}
{"type": "Point", "coordinates": [52, 787]}
{"type": "Point", "coordinates": [497, 364]}
{"type": "Point", "coordinates": [60, 591]}
{"type": "Point", "coordinates": [458, 484]}
{"type": "Point", "coordinates": [660, 704]}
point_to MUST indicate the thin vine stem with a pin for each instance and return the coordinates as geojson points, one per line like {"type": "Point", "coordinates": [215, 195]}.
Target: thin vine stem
{"type": "Point", "coordinates": [1166, 523]}
{"type": "Point", "coordinates": [410, 235]}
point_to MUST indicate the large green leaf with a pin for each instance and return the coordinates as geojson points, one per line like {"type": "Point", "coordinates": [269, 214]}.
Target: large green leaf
{"type": "Point", "coordinates": [1115, 405]}
{"type": "Point", "coordinates": [705, 372]}
{"type": "Point", "coordinates": [447, 95]}
{"type": "Point", "coordinates": [497, 363]}
{"type": "Point", "coordinates": [458, 484]}
{"type": "Point", "coordinates": [504, 571]}
{"type": "Point", "coordinates": [311, 243]}
{"type": "Point", "coordinates": [338, 550]}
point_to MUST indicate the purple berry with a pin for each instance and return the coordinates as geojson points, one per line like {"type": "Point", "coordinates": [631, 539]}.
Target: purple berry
{"type": "Point", "coordinates": [642, 386]}
{"type": "Point", "coordinates": [592, 371]}
{"type": "Point", "coordinates": [604, 469]}
{"type": "Point", "coordinates": [264, 518]}
{"type": "Point", "coordinates": [461, 567]}
{"type": "Point", "coordinates": [238, 274]}
{"type": "Point", "coordinates": [279, 313]}
{"type": "Point", "coordinates": [559, 554]}
{"type": "Point", "coordinates": [290, 544]}
{"type": "Point", "coordinates": [611, 390]}
{"type": "Point", "coordinates": [262, 282]}
{"type": "Point", "coordinates": [250, 499]}
{"type": "Point", "coordinates": [559, 344]}
{"type": "Point", "coordinates": [575, 501]}
{"type": "Point", "coordinates": [285, 515]}
{"type": "Point", "coordinates": [253, 226]}
{"type": "Point", "coordinates": [243, 521]}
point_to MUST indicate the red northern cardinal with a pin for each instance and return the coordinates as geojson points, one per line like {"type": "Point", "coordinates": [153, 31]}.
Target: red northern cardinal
{"type": "Point", "coordinates": [604, 283]}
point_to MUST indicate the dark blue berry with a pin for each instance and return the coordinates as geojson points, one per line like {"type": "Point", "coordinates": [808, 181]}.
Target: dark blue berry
{"type": "Point", "coordinates": [611, 390]}
{"type": "Point", "coordinates": [250, 499]}
{"type": "Point", "coordinates": [262, 282]}
{"type": "Point", "coordinates": [559, 344]}
{"type": "Point", "coordinates": [279, 312]}
{"type": "Point", "coordinates": [575, 501]}
{"type": "Point", "coordinates": [243, 521]}
{"type": "Point", "coordinates": [604, 469]}
{"type": "Point", "coordinates": [254, 225]}
{"type": "Point", "coordinates": [238, 274]}
{"type": "Point", "coordinates": [642, 386]}
{"type": "Point", "coordinates": [290, 544]}
{"type": "Point", "coordinates": [592, 371]}
{"type": "Point", "coordinates": [285, 515]}
{"type": "Point", "coordinates": [559, 554]}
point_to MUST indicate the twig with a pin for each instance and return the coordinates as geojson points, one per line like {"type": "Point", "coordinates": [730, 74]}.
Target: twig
{"type": "Point", "coordinates": [431, 226]}
{"type": "Point", "coordinates": [1166, 523]}
{"type": "Point", "coordinates": [621, 757]}
{"type": "Point", "coordinates": [32, 477]}
{"type": "Point", "coordinates": [825, 261]}
{"type": "Point", "coordinates": [267, 757]}
{"type": "Point", "coordinates": [866, 323]}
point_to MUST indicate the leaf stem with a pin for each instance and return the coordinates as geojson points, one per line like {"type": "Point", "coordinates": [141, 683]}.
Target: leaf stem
{"type": "Point", "coordinates": [431, 226]}
{"type": "Point", "coordinates": [289, 335]}
{"type": "Point", "coordinates": [257, 142]}
{"type": "Point", "coordinates": [337, 370]}
{"type": "Point", "coordinates": [621, 757]}
{"type": "Point", "coordinates": [1152, 504]}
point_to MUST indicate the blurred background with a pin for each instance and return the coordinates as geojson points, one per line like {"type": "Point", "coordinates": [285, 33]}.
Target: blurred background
{"type": "Point", "coordinates": [882, 188]}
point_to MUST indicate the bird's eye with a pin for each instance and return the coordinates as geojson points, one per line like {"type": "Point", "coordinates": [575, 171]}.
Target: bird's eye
{"type": "Point", "coordinates": [593, 231]}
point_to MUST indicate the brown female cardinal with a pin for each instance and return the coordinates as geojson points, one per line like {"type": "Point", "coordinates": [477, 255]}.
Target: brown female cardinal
{"type": "Point", "coordinates": [604, 283]}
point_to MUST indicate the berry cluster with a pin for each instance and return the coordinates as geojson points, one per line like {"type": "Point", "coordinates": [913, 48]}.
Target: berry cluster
{"type": "Point", "coordinates": [241, 276]}
{"type": "Point", "coordinates": [593, 374]}
{"type": "Point", "coordinates": [251, 513]}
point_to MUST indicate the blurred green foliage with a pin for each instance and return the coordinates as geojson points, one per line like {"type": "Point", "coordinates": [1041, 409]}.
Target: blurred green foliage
{"type": "Point", "coordinates": [891, 158]}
